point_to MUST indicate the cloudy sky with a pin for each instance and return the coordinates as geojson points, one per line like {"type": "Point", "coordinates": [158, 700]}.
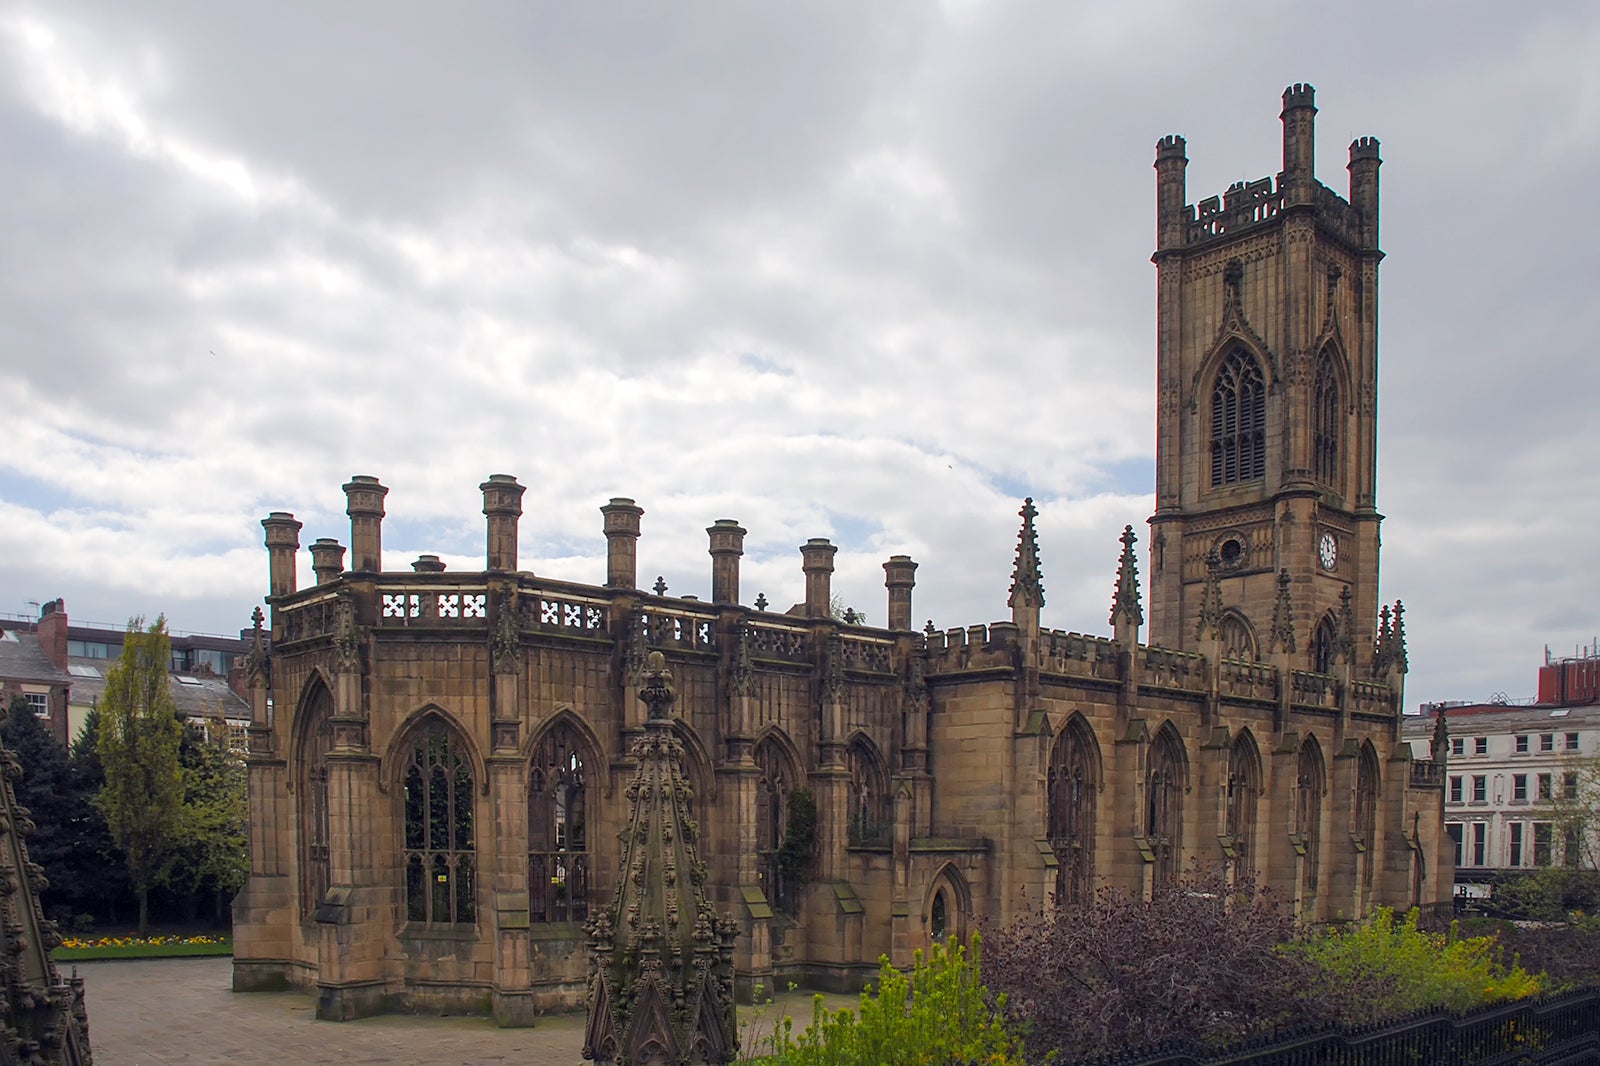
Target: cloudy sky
{"type": "Point", "coordinates": [865, 271]}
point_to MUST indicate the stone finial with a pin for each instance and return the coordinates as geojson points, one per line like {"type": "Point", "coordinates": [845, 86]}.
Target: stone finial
{"type": "Point", "coordinates": [1345, 641]}
{"type": "Point", "coordinates": [502, 506]}
{"type": "Point", "coordinates": [1027, 576]}
{"type": "Point", "coordinates": [660, 587]}
{"type": "Point", "coordinates": [283, 540]}
{"type": "Point", "coordinates": [761, 601]}
{"type": "Point", "coordinates": [36, 1001]}
{"type": "Point", "coordinates": [1282, 636]}
{"type": "Point", "coordinates": [727, 545]}
{"type": "Point", "coordinates": [660, 957]}
{"type": "Point", "coordinates": [1125, 606]}
{"type": "Point", "coordinates": [1439, 747]}
{"type": "Point", "coordinates": [622, 542]}
{"type": "Point", "coordinates": [364, 504]}
{"type": "Point", "coordinates": [327, 559]}
{"type": "Point", "coordinates": [256, 663]}
{"type": "Point", "coordinates": [899, 577]}
{"type": "Point", "coordinates": [816, 561]}
{"type": "Point", "coordinates": [428, 564]}
{"type": "Point", "coordinates": [1398, 639]}
{"type": "Point", "coordinates": [1209, 625]}
{"type": "Point", "coordinates": [1383, 645]}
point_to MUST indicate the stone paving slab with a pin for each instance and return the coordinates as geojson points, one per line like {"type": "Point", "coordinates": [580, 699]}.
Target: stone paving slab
{"type": "Point", "coordinates": [184, 1011]}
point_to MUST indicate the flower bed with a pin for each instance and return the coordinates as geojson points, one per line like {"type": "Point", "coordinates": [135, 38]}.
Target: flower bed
{"type": "Point", "coordinates": [142, 947]}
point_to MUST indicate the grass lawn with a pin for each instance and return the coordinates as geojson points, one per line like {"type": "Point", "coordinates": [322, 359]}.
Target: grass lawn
{"type": "Point", "coordinates": [74, 948]}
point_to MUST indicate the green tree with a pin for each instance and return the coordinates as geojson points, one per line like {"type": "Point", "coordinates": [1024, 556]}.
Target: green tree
{"type": "Point", "coordinates": [142, 798]}
{"type": "Point", "coordinates": [101, 881]}
{"type": "Point", "coordinates": [213, 856]}
{"type": "Point", "coordinates": [46, 790]}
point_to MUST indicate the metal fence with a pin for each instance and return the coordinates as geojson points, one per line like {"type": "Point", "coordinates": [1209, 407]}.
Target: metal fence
{"type": "Point", "coordinates": [1551, 1031]}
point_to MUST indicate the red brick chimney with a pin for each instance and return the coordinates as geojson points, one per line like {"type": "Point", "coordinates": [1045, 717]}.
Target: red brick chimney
{"type": "Point", "coordinates": [53, 632]}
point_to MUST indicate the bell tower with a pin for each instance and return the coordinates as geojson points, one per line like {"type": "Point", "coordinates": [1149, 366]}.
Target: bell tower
{"type": "Point", "coordinates": [1266, 426]}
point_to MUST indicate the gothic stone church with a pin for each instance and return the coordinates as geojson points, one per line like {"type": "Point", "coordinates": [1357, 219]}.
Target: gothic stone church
{"type": "Point", "coordinates": [438, 760]}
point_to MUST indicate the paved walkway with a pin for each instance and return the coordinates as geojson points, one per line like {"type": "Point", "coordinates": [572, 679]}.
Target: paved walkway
{"type": "Point", "coordinates": [172, 1011]}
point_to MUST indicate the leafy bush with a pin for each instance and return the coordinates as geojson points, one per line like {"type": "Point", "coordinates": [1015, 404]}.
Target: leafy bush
{"type": "Point", "coordinates": [1393, 967]}
{"type": "Point", "coordinates": [1199, 960]}
{"type": "Point", "coordinates": [939, 1013]}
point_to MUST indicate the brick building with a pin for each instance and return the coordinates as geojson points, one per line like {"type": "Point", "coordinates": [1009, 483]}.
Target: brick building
{"type": "Point", "coordinates": [438, 767]}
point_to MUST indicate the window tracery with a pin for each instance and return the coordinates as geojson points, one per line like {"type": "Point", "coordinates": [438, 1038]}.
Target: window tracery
{"type": "Point", "coordinates": [1325, 421]}
{"type": "Point", "coordinates": [869, 799]}
{"type": "Point", "coordinates": [1309, 785]}
{"type": "Point", "coordinates": [1070, 818]}
{"type": "Point", "coordinates": [1238, 421]}
{"type": "Point", "coordinates": [1164, 806]}
{"type": "Point", "coordinates": [440, 858]}
{"type": "Point", "coordinates": [316, 741]}
{"type": "Point", "coordinates": [1244, 786]}
{"type": "Point", "coordinates": [558, 828]}
{"type": "Point", "coordinates": [773, 788]}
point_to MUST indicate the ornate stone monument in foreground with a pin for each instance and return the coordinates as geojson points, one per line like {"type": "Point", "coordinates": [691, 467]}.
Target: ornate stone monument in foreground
{"type": "Point", "coordinates": [42, 1016]}
{"type": "Point", "coordinates": [660, 957]}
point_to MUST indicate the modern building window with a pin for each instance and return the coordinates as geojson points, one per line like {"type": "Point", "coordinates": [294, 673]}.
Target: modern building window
{"type": "Point", "coordinates": [1519, 788]}
{"type": "Point", "coordinates": [1547, 790]}
{"type": "Point", "coordinates": [1454, 829]}
{"type": "Point", "coordinates": [1572, 742]}
{"type": "Point", "coordinates": [1572, 852]}
{"type": "Point", "coordinates": [1455, 789]}
{"type": "Point", "coordinates": [1480, 833]}
{"type": "Point", "coordinates": [558, 828]}
{"type": "Point", "coordinates": [440, 856]}
{"type": "Point", "coordinates": [1547, 742]}
{"type": "Point", "coordinates": [1543, 835]}
{"type": "Point", "coordinates": [1480, 745]}
{"type": "Point", "coordinates": [1326, 413]}
{"type": "Point", "coordinates": [38, 703]}
{"type": "Point", "coordinates": [1458, 746]}
{"type": "Point", "coordinates": [1070, 798]}
{"type": "Point", "coordinates": [1569, 785]}
{"type": "Point", "coordinates": [1480, 788]}
{"type": "Point", "coordinates": [1522, 743]}
{"type": "Point", "coordinates": [1515, 829]}
{"type": "Point", "coordinates": [1238, 421]}
{"type": "Point", "coordinates": [88, 649]}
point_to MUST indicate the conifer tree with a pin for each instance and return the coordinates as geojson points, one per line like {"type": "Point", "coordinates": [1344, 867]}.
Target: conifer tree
{"type": "Point", "coordinates": [142, 798]}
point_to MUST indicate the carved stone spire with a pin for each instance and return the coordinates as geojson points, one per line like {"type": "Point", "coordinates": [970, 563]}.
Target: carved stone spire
{"type": "Point", "coordinates": [1282, 635]}
{"type": "Point", "coordinates": [1125, 606]}
{"type": "Point", "coordinates": [1397, 639]}
{"type": "Point", "coordinates": [257, 666]}
{"type": "Point", "coordinates": [45, 1019]}
{"type": "Point", "coordinates": [1439, 748]}
{"type": "Point", "coordinates": [1383, 645]}
{"type": "Point", "coordinates": [1345, 641]}
{"type": "Point", "coordinates": [1209, 625]}
{"type": "Point", "coordinates": [660, 957]}
{"type": "Point", "coordinates": [1027, 578]}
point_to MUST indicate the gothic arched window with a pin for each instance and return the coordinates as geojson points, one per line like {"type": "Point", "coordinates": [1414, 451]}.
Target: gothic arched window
{"type": "Point", "coordinates": [1164, 805]}
{"type": "Point", "coordinates": [1244, 785]}
{"type": "Point", "coordinates": [1325, 418]}
{"type": "Point", "coordinates": [1322, 645]}
{"type": "Point", "coordinates": [1070, 787]}
{"type": "Point", "coordinates": [558, 828]}
{"type": "Point", "coordinates": [773, 789]}
{"type": "Point", "coordinates": [1310, 783]}
{"type": "Point", "coordinates": [440, 860]}
{"type": "Point", "coordinates": [939, 916]}
{"type": "Point", "coordinates": [1367, 790]}
{"type": "Point", "coordinates": [869, 799]}
{"type": "Point", "coordinates": [316, 739]}
{"type": "Point", "coordinates": [1238, 639]}
{"type": "Point", "coordinates": [1238, 421]}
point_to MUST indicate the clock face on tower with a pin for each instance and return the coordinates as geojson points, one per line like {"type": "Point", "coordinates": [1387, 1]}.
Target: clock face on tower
{"type": "Point", "coordinates": [1328, 551]}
